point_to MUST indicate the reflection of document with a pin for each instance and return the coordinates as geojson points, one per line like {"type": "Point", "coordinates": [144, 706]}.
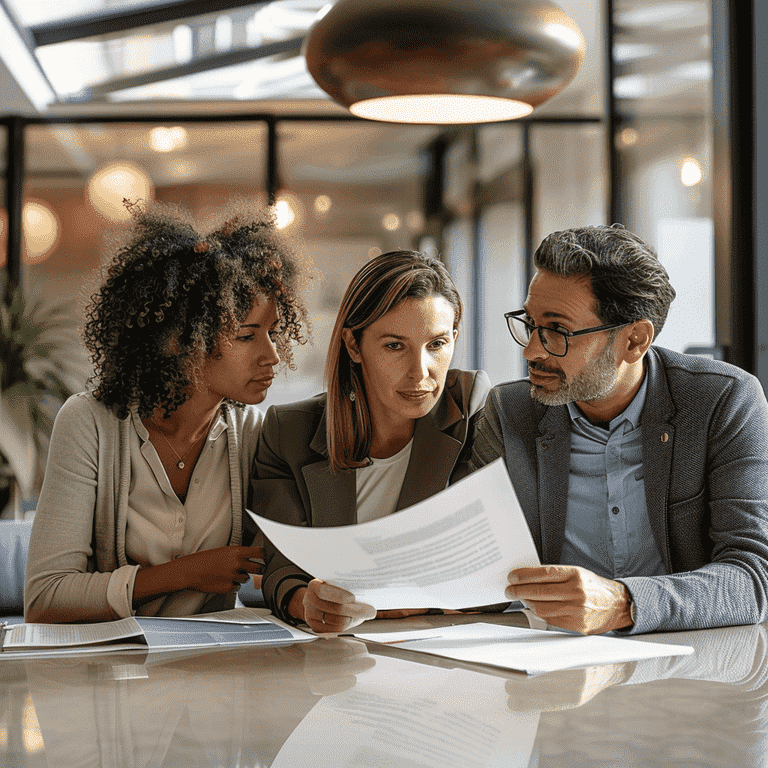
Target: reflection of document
{"type": "Point", "coordinates": [403, 714]}
{"type": "Point", "coordinates": [452, 550]}
{"type": "Point", "coordinates": [526, 650]}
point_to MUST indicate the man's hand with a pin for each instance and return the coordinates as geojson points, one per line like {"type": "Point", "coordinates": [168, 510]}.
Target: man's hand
{"type": "Point", "coordinates": [572, 598]}
{"type": "Point", "coordinates": [332, 609]}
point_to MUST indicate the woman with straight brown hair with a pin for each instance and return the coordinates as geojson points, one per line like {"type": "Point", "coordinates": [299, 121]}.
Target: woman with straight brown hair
{"type": "Point", "coordinates": [392, 429]}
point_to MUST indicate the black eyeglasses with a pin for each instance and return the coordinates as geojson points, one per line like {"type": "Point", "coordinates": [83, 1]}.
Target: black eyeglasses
{"type": "Point", "coordinates": [553, 340]}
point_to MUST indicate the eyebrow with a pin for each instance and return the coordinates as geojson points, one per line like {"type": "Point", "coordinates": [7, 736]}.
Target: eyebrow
{"type": "Point", "coordinates": [404, 338]}
{"type": "Point", "coordinates": [552, 315]}
{"type": "Point", "coordinates": [258, 325]}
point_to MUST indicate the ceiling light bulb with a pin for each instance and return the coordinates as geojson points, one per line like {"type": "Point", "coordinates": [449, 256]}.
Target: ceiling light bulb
{"type": "Point", "coordinates": [690, 172]}
{"type": "Point", "coordinates": [40, 226]}
{"type": "Point", "coordinates": [284, 215]}
{"type": "Point", "coordinates": [167, 139]}
{"type": "Point", "coordinates": [322, 204]}
{"type": "Point", "coordinates": [391, 222]}
{"type": "Point", "coordinates": [115, 182]}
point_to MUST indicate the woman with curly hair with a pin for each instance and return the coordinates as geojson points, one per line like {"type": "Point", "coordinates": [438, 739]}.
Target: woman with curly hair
{"type": "Point", "coordinates": [393, 428]}
{"type": "Point", "coordinates": [142, 506]}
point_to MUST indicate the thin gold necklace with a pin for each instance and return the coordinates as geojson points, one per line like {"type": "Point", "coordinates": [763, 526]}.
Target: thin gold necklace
{"type": "Point", "coordinates": [181, 464]}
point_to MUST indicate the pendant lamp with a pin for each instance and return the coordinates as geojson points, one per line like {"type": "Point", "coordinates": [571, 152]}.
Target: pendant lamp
{"type": "Point", "coordinates": [443, 61]}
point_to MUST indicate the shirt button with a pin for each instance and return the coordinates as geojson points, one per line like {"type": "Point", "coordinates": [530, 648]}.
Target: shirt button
{"type": "Point", "coordinates": [615, 510]}
{"type": "Point", "coordinates": [197, 481]}
{"type": "Point", "coordinates": [181, 519]}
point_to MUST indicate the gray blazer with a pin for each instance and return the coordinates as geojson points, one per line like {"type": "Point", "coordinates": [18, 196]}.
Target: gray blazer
{"type": "Point", "coordinates": [293, 482]}
{"type": "Point", "coordinates": [705, 459]}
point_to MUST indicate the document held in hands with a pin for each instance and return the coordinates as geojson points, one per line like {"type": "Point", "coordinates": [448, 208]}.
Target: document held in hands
{"type": "Point", "coordinates": [453, 550]}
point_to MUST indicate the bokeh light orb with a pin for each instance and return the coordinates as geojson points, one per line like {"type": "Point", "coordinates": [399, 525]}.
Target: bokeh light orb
{"type": "Point", "coordinates": [115, 182]}
{"type": "Point", "coordinates": [41, 229]}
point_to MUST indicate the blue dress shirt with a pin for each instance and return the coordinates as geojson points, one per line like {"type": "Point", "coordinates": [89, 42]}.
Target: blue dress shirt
{"type": "Point", "coordinates": [607, 528]}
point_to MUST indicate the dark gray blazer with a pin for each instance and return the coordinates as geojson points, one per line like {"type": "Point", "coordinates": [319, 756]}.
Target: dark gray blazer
{"type": "Point", "coordinates": [293, 482]}
{"type": "Point", "coordinates": [705, 460]}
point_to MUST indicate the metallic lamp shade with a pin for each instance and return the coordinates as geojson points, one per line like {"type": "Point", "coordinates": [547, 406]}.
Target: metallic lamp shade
{"type": "Point", "coordinates": [443, 61]}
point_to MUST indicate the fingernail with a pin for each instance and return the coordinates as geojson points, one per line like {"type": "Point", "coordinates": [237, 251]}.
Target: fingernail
{"type": "Point", "coordinates": [512, 579]}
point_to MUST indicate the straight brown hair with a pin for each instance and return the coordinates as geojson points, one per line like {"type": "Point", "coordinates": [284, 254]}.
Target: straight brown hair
{"type": "Point", "coordinates": [383, 283]}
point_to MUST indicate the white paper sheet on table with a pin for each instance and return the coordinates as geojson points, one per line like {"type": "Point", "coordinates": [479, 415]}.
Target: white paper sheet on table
{"type": "Point", "coordinates": [525, 650]}
{"type": "Point", "coordinates": [453, 550]}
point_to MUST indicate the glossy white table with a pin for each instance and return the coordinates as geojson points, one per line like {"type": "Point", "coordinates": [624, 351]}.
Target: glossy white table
{"type": "Point", "coordinates": [346, 704]}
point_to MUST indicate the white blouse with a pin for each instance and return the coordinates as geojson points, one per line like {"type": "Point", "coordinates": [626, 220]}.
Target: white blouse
{"type": "Point", "coordinates": [160, 527]}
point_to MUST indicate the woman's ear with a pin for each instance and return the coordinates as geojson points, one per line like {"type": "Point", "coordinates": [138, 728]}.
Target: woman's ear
{"type": "Point", "coordinates": [351, 345]}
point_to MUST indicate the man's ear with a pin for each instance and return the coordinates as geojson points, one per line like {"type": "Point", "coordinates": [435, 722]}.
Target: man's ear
{"type": "Point", "coordinates": [639, 340]}
{"type": "Point", "coordinates": [351, 345]}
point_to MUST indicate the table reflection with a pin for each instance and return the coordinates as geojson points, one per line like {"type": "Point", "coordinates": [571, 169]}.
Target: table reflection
{"type": "Point", "coordinates": [340, 703]}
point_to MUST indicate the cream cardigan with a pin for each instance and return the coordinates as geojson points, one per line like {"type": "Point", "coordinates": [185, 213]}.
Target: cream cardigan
{"type": "Point", "coordinates": [78, 534]}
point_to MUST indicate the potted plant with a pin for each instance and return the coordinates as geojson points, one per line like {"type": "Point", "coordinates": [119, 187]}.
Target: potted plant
{"type": "Point", "coordinates": [42, 362]}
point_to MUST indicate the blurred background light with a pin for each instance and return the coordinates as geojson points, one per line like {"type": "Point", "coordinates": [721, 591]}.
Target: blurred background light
{"type": "Point", "coordinates": [117, 181]}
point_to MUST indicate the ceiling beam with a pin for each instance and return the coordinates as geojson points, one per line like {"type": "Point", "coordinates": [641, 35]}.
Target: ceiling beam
{"type": "Point", "coordinates": [125, 19]}
{"type": "Point", "coordinates": [204, 64]}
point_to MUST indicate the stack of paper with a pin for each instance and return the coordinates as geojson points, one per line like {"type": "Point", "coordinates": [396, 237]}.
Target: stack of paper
{"type": "Point", "coordinates": [525, 650]}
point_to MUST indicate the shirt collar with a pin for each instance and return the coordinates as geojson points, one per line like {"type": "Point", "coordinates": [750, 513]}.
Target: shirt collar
{"type": "Point", "coordinates": [219, 425]}
{"type": "Point", "coordinates": [631, 413]}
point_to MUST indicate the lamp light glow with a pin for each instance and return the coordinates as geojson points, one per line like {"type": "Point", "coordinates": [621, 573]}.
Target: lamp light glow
{"type": "Point", "coordinates": [115, 182]}
{"type": "Point", "coordinates": [40, 226]}
{"type": "Point", "coordinates": [690, 172]}
{"type": "Point", "coordinates": [167, 139]}
{"type": "Point", "coordinates": [288, 210]}
{"type": "Point", "coordinates": [440, 109]}
{"type": "Point", "coordinates": [391, 222]}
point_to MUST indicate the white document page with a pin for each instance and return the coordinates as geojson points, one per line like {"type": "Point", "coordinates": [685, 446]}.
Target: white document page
{"type": "Point", "coordinates": [29, 636]}
{"type": "Point", "coordinates": [238, 626]}
{"type": "Point", "coordinates": [526, 650]}
{"type": "Point", "coordinates": [407, 715]}
{"type": "Point", "coordinates": [453, 550]}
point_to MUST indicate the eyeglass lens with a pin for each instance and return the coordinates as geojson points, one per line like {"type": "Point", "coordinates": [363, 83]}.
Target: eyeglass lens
{"type": "Point", "coordinates": [555, 343]}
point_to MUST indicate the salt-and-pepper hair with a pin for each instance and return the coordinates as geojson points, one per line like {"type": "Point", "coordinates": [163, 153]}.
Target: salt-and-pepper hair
{"type": "Point", "coordinates": [628, 281]}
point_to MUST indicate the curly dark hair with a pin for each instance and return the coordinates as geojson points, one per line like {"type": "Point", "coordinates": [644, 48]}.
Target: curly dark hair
{"type": "Point", "coordinates": [628, 281]}
{"type": "Point", "coordinates": [170, 297]}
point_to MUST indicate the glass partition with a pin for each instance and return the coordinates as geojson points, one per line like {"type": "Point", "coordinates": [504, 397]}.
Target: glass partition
{"type": "Point", "coordinates": [663, 86]}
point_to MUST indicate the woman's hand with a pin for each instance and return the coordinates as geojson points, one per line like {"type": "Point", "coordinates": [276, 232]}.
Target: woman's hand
{"type": "Point", "coordinates": [219, 570]}
{"type": "Point", "coordinates": [332, 609]}
{"type": "Point", "coordinates": [215, 571]}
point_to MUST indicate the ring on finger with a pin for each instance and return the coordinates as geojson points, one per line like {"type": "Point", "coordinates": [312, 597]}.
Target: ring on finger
{"type": "Point", "coordinates": [322, 620]}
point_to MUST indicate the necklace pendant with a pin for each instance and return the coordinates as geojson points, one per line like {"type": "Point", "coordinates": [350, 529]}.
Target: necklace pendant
{"type": "Point", "coordinates": [180, 465]}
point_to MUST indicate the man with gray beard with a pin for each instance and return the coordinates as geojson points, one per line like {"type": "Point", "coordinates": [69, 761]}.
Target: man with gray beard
{"type": "Point", "coordinates": [642, 472]}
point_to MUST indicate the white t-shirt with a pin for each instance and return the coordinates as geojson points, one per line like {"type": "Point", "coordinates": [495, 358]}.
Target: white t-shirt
{"type": "Point", "coordinates": [378, 485]}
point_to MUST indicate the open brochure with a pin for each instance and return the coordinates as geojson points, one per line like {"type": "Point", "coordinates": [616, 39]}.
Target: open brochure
{"type": "Point", "coordinates": [236, 627]}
